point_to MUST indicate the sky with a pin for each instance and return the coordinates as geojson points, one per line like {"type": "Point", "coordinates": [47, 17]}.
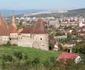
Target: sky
{"type": "Point", "coordinates": [41, 4]}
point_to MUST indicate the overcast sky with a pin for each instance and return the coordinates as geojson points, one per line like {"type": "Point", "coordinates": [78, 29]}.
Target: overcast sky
{"type": "Point", "coordinates": [42, 4]}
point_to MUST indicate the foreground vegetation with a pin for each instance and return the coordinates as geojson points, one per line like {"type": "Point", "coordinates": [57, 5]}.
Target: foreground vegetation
{"type": "Point", "coordinates": [31, 52]}
{"type": "Point", "coordinates": [20, 58]}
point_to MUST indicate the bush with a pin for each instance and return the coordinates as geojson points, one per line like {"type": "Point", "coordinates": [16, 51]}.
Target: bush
{"type": "Point", "coordinates": [36, 61]}
{"type": "Point", "coordinates": [47, 64]}
{"type": "Point", "coordinates": [14, 45]}
{"type": "Point", "coordinates": [18, 55]}
{"type": "Point", "coordinates": [51, 46]}
{"type": "Point", "coordinates": [52, 59]}
{"type": "Point", "coordinates": [60, 47]}
{"type": "Point", "coordinates": [8, 44]}
{"type": "Point", "coordinates": [7, 58]}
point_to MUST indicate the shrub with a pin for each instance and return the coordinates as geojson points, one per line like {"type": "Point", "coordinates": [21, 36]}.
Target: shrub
{"type": "Point", "coordinates": [51, 46]}
{"type": "Point", "coordinates": [8, 44]}
{"type": "Point", "coordinates": [52, 59]}
{"type": "Point", "coordinates": [7, 58]}
{"type": "Point", "coordinates": [36, 61]}
{"type": "Point", "coordinates": [18, 55]}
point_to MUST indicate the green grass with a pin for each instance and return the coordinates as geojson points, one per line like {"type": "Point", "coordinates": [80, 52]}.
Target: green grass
{"type": "Point", "coordinates": [31, 52]}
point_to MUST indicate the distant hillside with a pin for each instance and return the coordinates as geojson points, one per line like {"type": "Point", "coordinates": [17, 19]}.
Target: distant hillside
{"type": "Point", "coordinates": [78, 10]}
{"type": "Point", "coordinates": [75, 12]}
{"type": "Point", "coordinates": [69, 13]}
{"type": "Point", "coordinates": [44, 13]}
{"type": "Point", "coordinates": [5, 12]}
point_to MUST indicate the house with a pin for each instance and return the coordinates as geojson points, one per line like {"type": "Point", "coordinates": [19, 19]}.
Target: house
{"type": "Point", "coordinates": [69, 44]}
{"type": "Point", "coordinates": [77, 39]}
{"type": "Point", "coordinates": [82, 33]}
{"type": "Point", "coordinates": [81, 24]}
{"type": "Point", "coordinates": [61, 37]}
{"type": "Point", "coordinates": [55, 43]}
{"type": "Point", "coordinates": [54, 23]}
{"type": "Point", "coordinates": [56, 48]}
{"type": "Point", "coordinates": [66, 56]}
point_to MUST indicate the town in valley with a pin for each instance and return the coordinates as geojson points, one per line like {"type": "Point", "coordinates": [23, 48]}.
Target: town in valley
{"type": "Point", "coordinates": [43, 40]}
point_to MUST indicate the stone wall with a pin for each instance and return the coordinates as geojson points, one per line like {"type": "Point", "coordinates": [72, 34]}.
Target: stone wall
{"type": "Point", "coordinates": [41, 41]}
{"type": "Point", "coordinates": [4, 39]}
{"type": "Point", "coordinates": [25, 40]}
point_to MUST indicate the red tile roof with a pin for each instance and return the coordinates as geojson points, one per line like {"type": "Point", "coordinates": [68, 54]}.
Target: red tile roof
{"type": "Point", "coordinates": [13, 21]}
{"type": "Point", "coordinates": [5, 29]}
{"type": "Point", "coordinates": [66, 55]}
{"type": "Point", "coordinates": [1, 20]}
{"type": "Point", "coordinates": [83, 22]}
{"type": "Point", "coordinates": [12, 29]}
{"type": "Point", "coordinates": [27, 29]}
{"type": "Point", "coordinates": [70, 42]}
{"type": "Point", "coordinates": [38, 29]}
{"type": "Point", "coordinates": [53, 41]}
{"type": "Point", "coordinates": [20, 30]}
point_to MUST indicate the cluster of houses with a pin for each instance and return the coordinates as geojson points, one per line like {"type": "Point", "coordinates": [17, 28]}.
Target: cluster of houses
{"type": "Point", "coordinates": [28, 20]}
{"type": "Point", "coordinates": [38, 37]}
{"type": "Point", "coordinates": [69, 21]}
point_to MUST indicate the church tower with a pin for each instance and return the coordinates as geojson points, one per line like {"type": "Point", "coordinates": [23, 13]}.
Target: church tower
{"type": "Point", "coordinates": [13, 21]}
{"type": "Point", "coordinates": [13, 31]}
{"type": "Point", "coordinates": [36, 37]}
{"type": "Point", "coordinates": [1, 20]}
{"type": "Point", "coordinates": [41, 38]}
{"type": "Point", "coordinates": [4, 33]}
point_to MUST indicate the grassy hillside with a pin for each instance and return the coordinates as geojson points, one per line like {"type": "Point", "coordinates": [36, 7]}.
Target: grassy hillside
{"type": "Point", "coordinates": [31, 52]}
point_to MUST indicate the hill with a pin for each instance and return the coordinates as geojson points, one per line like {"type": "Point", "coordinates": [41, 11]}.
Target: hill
{"type": "Point", "coordinates": [6, 12]}
{"type": "Point", "coordinates": [31, 52]}
{"type": "Point", "coordinates": [69, 13]}
{"type": "Point", "coordinates": [44, 13]}
{"type": "Point", "coordinates": [75, 12]}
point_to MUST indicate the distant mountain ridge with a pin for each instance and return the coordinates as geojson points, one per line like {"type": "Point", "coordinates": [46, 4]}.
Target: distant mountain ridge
{"type": "Point", "coordinates": [5, 12]}
{"type": "Point", "coordinates": [56, 13]}
{"type": "Point", "coordinates": [75, 12]}
{"type": "Point", "coordinates": [47, 12]}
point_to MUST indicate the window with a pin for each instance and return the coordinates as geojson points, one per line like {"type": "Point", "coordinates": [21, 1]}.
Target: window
{"type": "Point", "coordinates": [10, 38]}
{"type": "Point", "coordinates": [42, 45]}
{"type": "Point", "coordinates": [40, 38]}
